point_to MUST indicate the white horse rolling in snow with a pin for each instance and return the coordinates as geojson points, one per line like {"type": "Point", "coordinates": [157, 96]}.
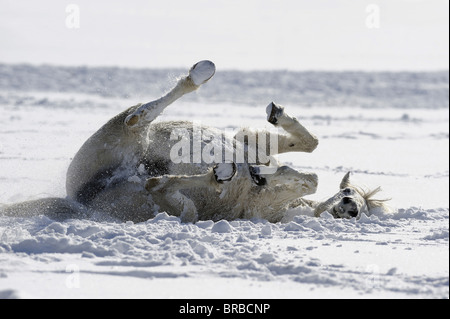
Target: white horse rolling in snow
{"type": "Point", "coordinates": [131, 168]}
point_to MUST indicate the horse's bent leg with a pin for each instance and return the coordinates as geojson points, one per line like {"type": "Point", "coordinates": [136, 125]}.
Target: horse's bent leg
{"type": "Point", "coordinates": [173, 183]}
{"type": "Point", "coordinates": [165, 191]}
{"type": "Point", "coordinates": [299, 138]}
{"type": "Point", "coordinates": [144, 114]}
{"type": "Point", "coordinates": [221, 173]}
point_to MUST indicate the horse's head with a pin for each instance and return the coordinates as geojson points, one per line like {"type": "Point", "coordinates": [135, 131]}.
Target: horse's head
{"type": "Point", "coordinates": [351, 201]}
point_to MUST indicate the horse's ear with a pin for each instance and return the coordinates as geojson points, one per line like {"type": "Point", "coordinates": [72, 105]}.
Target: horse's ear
{"type": "Point", "coordinates": [345, 181]}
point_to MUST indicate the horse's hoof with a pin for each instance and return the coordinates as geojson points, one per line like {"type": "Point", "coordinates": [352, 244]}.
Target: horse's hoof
{"type": "Point", "coordinates": [274, 112]}
{"type": "Point", "coordinates": [224, 172]}
{"type": "Point", "coordinates": [202, 71]}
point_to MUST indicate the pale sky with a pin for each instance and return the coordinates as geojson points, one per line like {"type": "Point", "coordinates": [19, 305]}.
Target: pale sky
{"type": "Point", "coordinates": [235, 34]}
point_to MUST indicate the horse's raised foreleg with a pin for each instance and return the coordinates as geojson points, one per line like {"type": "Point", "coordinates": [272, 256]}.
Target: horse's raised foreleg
{"type": "Point", "coordinates": [221, 173]}
{"type": "Point", "coordinates": [298, 139]}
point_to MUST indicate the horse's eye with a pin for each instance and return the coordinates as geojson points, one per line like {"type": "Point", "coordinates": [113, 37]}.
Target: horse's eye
{"type": "Point", "coordinates": [347, 191]}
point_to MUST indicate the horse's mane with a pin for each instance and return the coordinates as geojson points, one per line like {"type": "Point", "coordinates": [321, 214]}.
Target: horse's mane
{"type": "Point", "coordinates": [368, 194]}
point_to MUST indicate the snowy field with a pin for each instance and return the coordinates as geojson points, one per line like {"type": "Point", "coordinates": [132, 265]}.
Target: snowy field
{"type": "Point", "coordinates": [389, 129]}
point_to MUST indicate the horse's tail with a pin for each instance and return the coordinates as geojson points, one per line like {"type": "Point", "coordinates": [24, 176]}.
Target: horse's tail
{"type": "Point", "coordinates": [53, 207]}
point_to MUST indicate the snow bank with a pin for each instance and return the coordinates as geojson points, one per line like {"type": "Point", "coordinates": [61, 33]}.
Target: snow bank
{"type": "Point", "coordinates": [294, 252]}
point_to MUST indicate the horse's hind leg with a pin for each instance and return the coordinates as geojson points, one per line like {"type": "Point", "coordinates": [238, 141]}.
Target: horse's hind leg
{"type": "Point", "coordinates": [166, 190]}
{"type": "Point", "coordinates": [299, 138]}
{"type": "Point", "coordinates": [144, 114]}
{"type": "Point", "coordinates": [104, 152]}
{"type": "Point", "coordinates": [54, 208]}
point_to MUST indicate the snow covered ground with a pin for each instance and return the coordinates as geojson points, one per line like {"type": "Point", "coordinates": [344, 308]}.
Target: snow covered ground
{"type": "Point", "coordinates": [404, 149]}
